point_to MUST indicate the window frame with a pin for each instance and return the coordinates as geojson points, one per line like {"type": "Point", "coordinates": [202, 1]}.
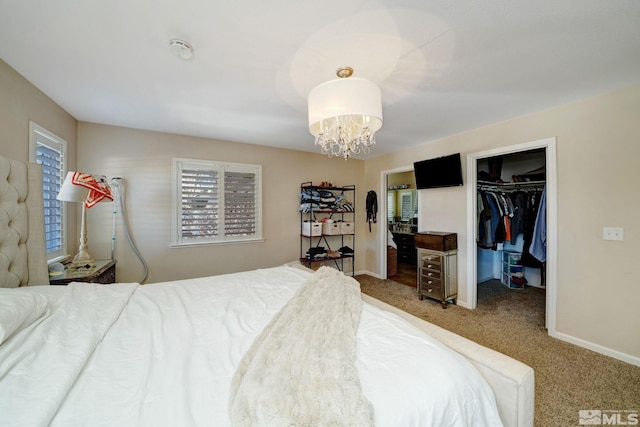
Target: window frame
{"type": "Point", "coordinates": [179, 164]}
{"type": "Point", "coordinates": [41, 136]}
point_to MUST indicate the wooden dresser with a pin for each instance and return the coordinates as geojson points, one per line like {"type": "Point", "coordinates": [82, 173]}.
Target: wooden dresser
{"type": "Point", "coordinates": [406, 248]}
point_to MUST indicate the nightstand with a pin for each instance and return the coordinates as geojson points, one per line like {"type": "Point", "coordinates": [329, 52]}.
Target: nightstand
{"type": "Point", "coordinates": [104, 272]}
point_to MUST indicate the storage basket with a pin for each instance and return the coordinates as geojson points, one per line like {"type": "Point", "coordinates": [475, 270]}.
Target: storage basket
{"type": "Point", "coordinates": [331, 228]}
{"type": "Point", "coordinates": [311, 229]}
{"type": "Point", "coordinates": [347, 227]}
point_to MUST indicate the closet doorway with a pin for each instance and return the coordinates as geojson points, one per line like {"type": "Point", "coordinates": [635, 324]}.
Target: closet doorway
{"type": "Point", "coordinates": [496, 177]}
{"type": "Point", "coordinates": [402, 224]}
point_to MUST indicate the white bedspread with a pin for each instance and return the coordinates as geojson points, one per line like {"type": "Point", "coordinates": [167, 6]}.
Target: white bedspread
{"type": "Point", "coordinates": [165, 354]}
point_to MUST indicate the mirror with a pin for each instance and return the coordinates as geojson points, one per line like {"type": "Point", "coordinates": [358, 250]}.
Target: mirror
{"type": "Point", "coordinates": [407, 208]}
{"type": "Point", "coordinates": [402, 207]}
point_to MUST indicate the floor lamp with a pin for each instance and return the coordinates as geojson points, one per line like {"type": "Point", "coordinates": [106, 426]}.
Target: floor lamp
{"type": "Point", "coordinates": [89, 190]}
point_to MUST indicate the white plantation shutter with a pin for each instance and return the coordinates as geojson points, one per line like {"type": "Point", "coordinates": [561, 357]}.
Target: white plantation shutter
{"type": "Point", "coordinates": [199, 204]}
{"type": "Point", "coordinates": [49, 151]}
{"type": "Point", "coordinates": [240, 204]}
{"type": "Point", "coordinates": [391, 205]}
{"type": "Point", "coordinates": [213, 209]}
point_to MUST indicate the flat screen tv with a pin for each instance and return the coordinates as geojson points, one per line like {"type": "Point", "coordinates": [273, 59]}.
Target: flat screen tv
{"type": "Point", "coordinates": [439, 172]}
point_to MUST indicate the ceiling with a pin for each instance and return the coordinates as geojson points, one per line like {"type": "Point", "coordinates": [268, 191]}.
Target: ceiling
{"type": "Point", "coordinates": [443, 66]}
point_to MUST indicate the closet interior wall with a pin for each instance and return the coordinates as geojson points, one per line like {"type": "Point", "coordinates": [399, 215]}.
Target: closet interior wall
{"type": "Point", "coordinates": [513, 168]}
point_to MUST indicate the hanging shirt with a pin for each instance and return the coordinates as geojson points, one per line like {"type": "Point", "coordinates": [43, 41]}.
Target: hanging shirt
{"type": "Point", "coordinates": [538, 246]}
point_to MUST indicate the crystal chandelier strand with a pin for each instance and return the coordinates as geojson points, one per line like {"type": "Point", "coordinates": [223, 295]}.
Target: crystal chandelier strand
{"type": "Point", "coordinates": [345, 136]}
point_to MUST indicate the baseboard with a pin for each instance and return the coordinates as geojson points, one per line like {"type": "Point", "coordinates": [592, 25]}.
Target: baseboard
{"type": "Point", "coordinates": [369, 273]}
{"type": "Point", "coordinates": [632, 360]}
{"type": "Point", "coordinates": [484, 279]}
{"type": "Point", "coordinates": [463, 304]}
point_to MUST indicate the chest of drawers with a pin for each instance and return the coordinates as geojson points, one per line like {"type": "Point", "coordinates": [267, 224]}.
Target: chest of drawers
{"type": "Point", "coordinates": [406, 248]}
{"type": "Point", "coordinates": [438, 275]}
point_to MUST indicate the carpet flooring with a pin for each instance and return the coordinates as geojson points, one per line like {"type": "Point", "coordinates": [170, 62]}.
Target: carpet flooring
{"type": "Point", "coordinates": [568, 378]}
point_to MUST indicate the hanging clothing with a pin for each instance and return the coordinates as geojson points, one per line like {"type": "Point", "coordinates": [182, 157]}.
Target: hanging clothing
{"type": "Point", "coordinates": [504, 214]}
{"type": "Point", "coordinates": [372, 208]}
{"type": "Point", "coordinates": [538, 248]}
{"type": "Point", "coordinates": [517, 221]}
{"type": "Point", "coordinates": [531, 213]}
{"type": "Point", "coordinates": [494, 220]}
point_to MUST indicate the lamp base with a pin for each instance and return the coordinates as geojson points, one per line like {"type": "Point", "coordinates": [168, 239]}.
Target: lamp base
{"type": "Point", "coordinates": [83, 261]}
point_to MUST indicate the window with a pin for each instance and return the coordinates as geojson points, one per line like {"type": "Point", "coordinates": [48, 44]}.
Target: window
{"type": "Point", "coordinates": [217, 202]}
{"type": "Point", "coordinates": [406, 204]}
{"type": "Point", "coordinates": [391, 206]}
{"type": "Point", "coordinates": [49, 151]}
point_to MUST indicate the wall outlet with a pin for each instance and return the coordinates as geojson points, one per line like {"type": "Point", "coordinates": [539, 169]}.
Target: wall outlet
{"type": "Point", "coordinates": [612, 233]}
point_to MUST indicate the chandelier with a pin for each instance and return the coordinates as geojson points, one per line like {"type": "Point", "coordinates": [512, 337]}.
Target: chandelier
{"type": "Point", "coordinates": [344, 115]}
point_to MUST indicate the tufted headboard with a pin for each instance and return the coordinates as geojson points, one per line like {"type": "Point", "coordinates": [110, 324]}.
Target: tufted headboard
{"type": "Point", "coordinates": [23, 258]}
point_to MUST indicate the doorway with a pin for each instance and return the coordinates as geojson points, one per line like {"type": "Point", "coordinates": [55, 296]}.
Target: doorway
{"type": "Point", "coordinates": [402, 224]}
{"type": "Point", "coordinates": [473, 276]}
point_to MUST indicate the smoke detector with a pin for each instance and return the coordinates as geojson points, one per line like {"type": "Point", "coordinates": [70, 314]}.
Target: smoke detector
{"type": "Point", "coordinates": [180, 48]}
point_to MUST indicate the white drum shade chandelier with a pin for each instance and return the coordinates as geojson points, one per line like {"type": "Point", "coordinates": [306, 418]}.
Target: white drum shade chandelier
{"type": "Point", "coordinates": [344, 114]}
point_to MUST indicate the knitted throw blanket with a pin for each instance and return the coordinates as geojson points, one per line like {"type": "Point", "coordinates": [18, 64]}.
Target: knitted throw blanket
{"type": "Point", "coordinates": [300, 371]}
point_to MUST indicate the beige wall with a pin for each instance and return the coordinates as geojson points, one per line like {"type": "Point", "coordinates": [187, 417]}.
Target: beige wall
{"type": "Point", "coordinates": [21, 102]}
{"type": "Point", "coordinates": [597, 178]}
{"type": "Point", "coordinates": [402, 178]}
{"type": "Point", "coordinates": [144, 160]}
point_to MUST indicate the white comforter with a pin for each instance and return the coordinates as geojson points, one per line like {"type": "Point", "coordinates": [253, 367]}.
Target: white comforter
{"type": "Point", "coordinates": [164, 355]}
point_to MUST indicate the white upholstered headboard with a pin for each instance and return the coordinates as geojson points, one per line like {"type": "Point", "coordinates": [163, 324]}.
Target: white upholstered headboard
{"type": "Point", "coordinates": [23, 258]}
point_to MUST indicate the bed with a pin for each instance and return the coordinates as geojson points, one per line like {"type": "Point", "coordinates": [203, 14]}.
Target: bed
{"type": "Point", "coordinates": [275, 346]}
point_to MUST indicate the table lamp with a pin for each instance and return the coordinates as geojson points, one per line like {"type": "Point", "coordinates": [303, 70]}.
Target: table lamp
{"type": "Point", "coordinates": [88, 190]}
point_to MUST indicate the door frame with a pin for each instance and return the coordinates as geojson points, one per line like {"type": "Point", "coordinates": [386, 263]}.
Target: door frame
{"type": "Point", "coordinates": [382, 203]}
{"type": "Point", "coordinates": [549, 144]}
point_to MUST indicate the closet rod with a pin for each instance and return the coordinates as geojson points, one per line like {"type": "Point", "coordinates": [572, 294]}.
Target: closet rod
{"type": "Point", "coordinates": [484, 185]}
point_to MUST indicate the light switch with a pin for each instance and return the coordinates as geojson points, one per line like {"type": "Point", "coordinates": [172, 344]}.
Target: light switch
{"type": "Point", "coordinates": [613, 233]}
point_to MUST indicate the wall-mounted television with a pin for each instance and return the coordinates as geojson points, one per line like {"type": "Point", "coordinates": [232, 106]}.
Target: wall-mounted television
{"type": "Point", "coordinates": [439, 172]}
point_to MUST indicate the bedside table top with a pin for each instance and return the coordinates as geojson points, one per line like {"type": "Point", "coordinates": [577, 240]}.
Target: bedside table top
{"type": "Point", "coordinates": [82, 275]}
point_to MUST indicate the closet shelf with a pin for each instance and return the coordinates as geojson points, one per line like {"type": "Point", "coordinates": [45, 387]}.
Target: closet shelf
{"type": "Point", "coordinates": [482, 185]}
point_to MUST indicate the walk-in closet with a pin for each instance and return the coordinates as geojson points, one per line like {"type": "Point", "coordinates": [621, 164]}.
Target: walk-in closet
{"type": "Point", "coordinates": [511, 221]}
